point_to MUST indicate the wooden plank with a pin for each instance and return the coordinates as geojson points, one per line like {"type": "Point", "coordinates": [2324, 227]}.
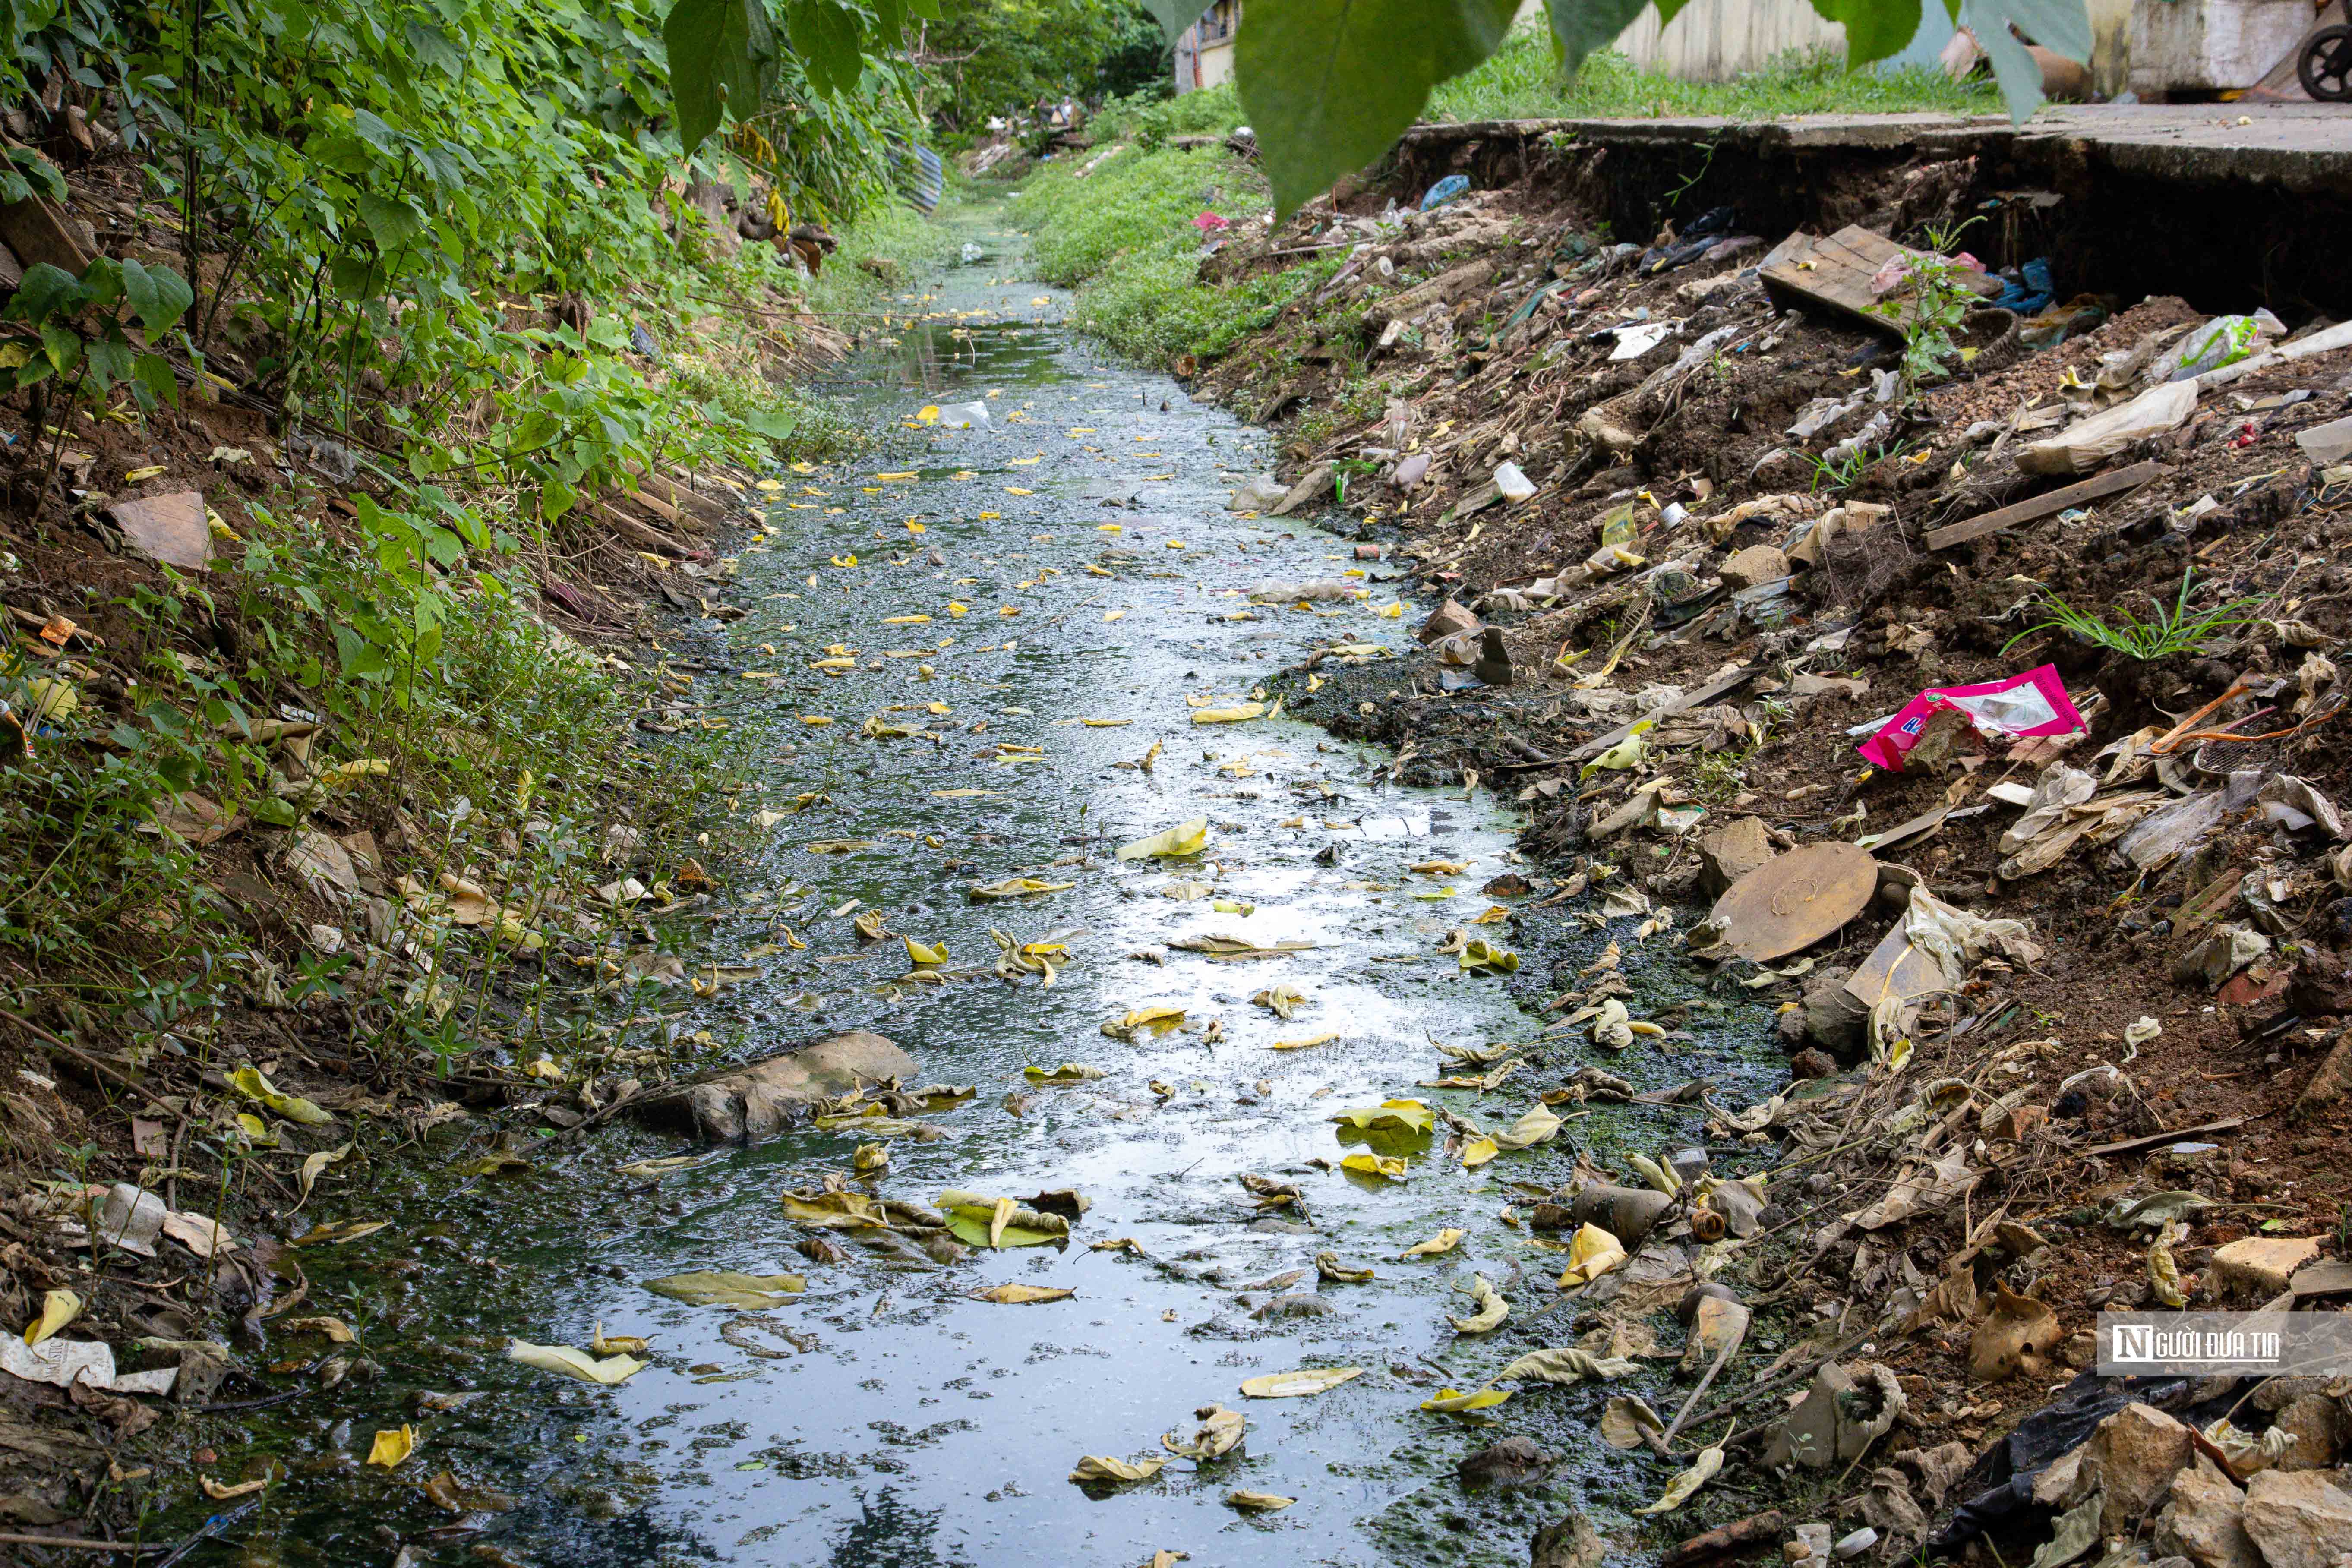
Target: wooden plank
{"type": "Point", "coordinates": [2124, 1146]}
{"type": "Point", "coordinates": [1835, 272]}
{"type": "Point", "coordinates": [1707, 693]}
{"type": "Point", "coordinates": [2082, 492]}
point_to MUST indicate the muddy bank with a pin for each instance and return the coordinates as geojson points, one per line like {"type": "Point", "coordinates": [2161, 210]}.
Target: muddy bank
{"type": "Point", "coordinates": [1699, 544]}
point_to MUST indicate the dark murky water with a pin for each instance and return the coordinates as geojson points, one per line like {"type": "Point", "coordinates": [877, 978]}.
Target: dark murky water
{"type": "Point", "coordinates": [885, 1417]}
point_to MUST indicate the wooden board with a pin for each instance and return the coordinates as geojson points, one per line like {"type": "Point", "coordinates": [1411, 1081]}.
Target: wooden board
{"type": "Point", "coordinates": [2082, 492]}
{"type": "Point", "coordinates": [1707, 693]}
{"type": "Point", "coordinates": [1835, 273]}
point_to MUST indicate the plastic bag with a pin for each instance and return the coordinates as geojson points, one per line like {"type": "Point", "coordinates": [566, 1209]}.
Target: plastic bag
{"type": "Point", "coordinates": [2225, 340]}
{"type": "Point", "coordinates": [1513, 482]}
{"type": "Point", "coordinates": [2034, 703]}
{"type": "Point", "coordinates": [1445, 191]}
{"type": "Point", "coordinates": [964, 417]}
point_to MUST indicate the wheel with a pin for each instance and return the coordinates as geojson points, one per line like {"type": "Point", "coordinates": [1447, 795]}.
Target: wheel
{"type": "Point", "coordinates": [2325, 67]}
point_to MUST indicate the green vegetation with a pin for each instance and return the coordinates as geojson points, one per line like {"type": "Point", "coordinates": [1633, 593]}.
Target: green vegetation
{"type": "Point", "coordinates": [2169, 629]}
{"type": "Point", "coordinates": [997, 55]}
{"type": "Point", "coordinates": [1124, 236]}
{"type": "Point", "coordinates": [1522, 82]}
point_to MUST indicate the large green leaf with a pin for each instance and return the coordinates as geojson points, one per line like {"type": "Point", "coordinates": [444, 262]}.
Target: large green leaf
{"type": "Point", "coordinates": [1581, 27]}
{"type": "Point", "coordinates": [2062, 27]}
{"type": "Point", "coordinates": [1873, 28]}
{"type": "Point", "coordinates": [723, 55]}
{"type": "Point", "coordinates": [828, 41]}
{"type": "Point", "coordinates": [1328, 84]}
{"type": "Point", "coordinates": [1175, 16]}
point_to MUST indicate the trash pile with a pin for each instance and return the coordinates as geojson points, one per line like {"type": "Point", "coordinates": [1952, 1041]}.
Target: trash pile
{"type": "Point", "coordinates": [1969, 653]}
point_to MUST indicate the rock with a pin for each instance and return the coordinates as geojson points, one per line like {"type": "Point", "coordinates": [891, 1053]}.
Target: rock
{"type": "Point", "coordinates": [1447, 620]}
{"type": "Point", "coordinates": [2259, 1266]}
{"type": "Point", "coordinates": [323, 863]}
{"type": "Point", "coordinates": [759, 1100]}
{"type": "Point", "coordinates": [2311, 1422]}
{"type": "Point", "coordinates": [2132, 1459]}
{"type": "Point", "coordinates": [2330, 1085]}
{"type": "Point", "coordinates": [1834, 1017]}
{"type": "Point", "coordinates": [1568, 1541]}
{"type": "Point", "coordinates": [2297, 1519]}
{"type": "Point", "coordinates": [1757, 564]}
{"type": "Point", "coordinates": [1730, 852]}
{"type": "Point", "coordinates": [1811, 1062]}
{"type": "Point", "coordinates": [1510, 1462]}
{"type": "Point", "coordinates": [172, 528]}
{"type": "Point", "coordinates": [1300, 1304]}
{"type": "Point", "coordinates": [2205, 1519]}
{"type": "Point", "coordinates": [1494, 666]}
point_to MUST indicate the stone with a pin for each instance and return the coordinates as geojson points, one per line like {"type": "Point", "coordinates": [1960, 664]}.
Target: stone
{"type": "Point", "coordinates": [1834, 1018]}
{"type": "Point", "coordinates": [1511, 1462]}
{"type": "Point", "coordinates": [1811, 1062]}
{"type": "Point", "coordinates": [36, 231]}
{"type": "Point", "coordinates": [169, 529]}
{"type": "Point", "coordinates": [2312, 1423]}
{"type": "Point", "coordinates": [1757, 564]}
{"type": "Point", "coordinates": [2205, 1519]}
{"type": "Point", "coordinates": [323, 863]}
{"type": "Point", "coordinates": [2297, 1519]}
{"type": "Point", "coordinates": [1730, 852]}
{"type": "Point", "coordinates": [1494, 666]}
{"type": "Point", "coordinates": [1568, 1541]}
{"type": "Point", "coordinates": [765, 1096]}
{"type": "Point", "coordinates": [1449, 619]}
{"type": "Point", "coordinates": [2259, 1266]}
{"type": "Point", "coordinates": [2330, 1085]}
{"type": "Point", "coordinates": [2131, 1459]}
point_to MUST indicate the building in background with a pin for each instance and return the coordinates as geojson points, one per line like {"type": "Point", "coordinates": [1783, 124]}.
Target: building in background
{"type": "Point", "coordinates": [1204, 55]}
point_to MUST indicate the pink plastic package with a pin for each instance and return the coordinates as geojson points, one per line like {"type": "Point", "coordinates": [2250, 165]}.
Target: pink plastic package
{"type": "Point", "coordinates": [2034, 703]}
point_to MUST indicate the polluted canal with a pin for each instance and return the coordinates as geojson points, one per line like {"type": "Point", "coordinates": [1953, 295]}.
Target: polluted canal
{"type": "Point", "coordinates": [979, 660]}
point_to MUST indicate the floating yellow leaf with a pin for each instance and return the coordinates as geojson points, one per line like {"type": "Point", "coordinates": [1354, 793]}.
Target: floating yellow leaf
{"type": "Point", "coordinates": [1184, 838]}
{"type": "Point", "coordinates": [220, 1493]}
{"type": "Point", "coordinates": [1591, 1253]}
{"type": "Point", "coordinates": [391, 1448]}
{"type": "Point", "coordinates": [1219, 1430]}
{"type": "Point", "coordinates": [602, 1344]}
{"type": "Point", "coordinates": [905, 620]}
{"type": "Point", "coordinates": [1257, 1502]}
{"type": "Point", "coordinates": [1444, 1241]}
{"type": "Point", "coordinates": [1327, 1266]}
{"type": "Point", "coordinates": [1455, 1402]}
{"type": "Point", "coordinates": [1016, 888]}
{"type": "Point", "coordinates": [340, 1232]}
{"type": "Point", "coordinates": [924, 952]}
{"type": "Point", "coordinates": [1136, 1018]}
{"type": "Point", "coordinates": [292, 1107]}
{"type": "Point", "coordinates": [1375, 1165]}
{"type": "Point", "coordinates": [981, 1221]}
{"type": "Point", "coordinates": [1477, 1152]}
{"type": "Point", "coordinates": [1293, 1385]}
{"type": "Point", "coordinates": [1325, 1038]}
{"type": "Point", "coordinates": [869, 1159]}
{"type": "Point", "coordinates": [1021, 1295]}
{"type": "Point", "coordinates": [1678, 1490]}
{"type": "Point", "coordinates": [838, 1210]}
{"type": "Point", "coordinates": [726, 1288]}
{"type": "Point", "coordinates": [337, 1330]}
{"type": "Point", "coordinates": [1390, 1115]}
{"type": "Point", "coordinates": [572, 1362]}
{"type": "Point", "coordinates": [58, 1310]}
{"type": "Point", "coordinates": [1478, 953]}
{"type": "Point", "coordinates": [1069, 1072]}
{"type": "Point", "coordinates": [1282, 1001]}
{"type": "Point", "coordinates": [1229, 715]}
{"type": "Point", "coordinates": [1487, 1308]}
{"type": "Point", "coordinates": [1101, 1469]}
{"type": "Point", "coordinates": [1535, 1127]}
